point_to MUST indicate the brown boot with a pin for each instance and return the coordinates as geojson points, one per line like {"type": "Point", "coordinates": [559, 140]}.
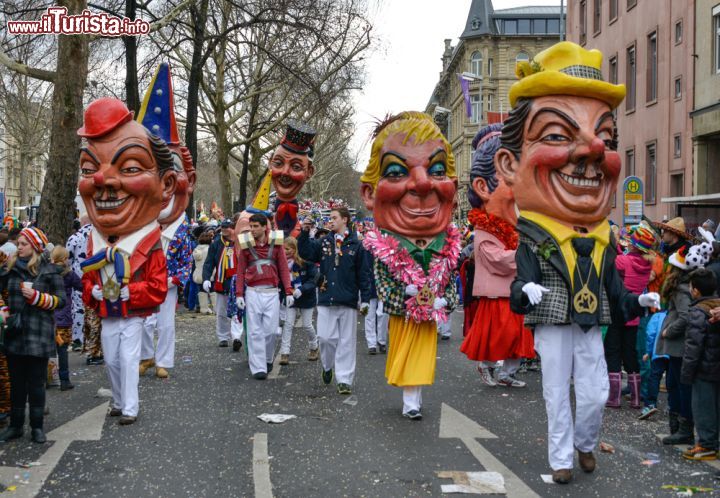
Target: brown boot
{"type": "Point", "coordinates": [313, 355]}
{"type": "Point", "coordinates": [562, 476]}
{"type": "Point", "coordinates": [161, 373]}
{"type": "Point", "coordinates": [145, 365]}
{"type": "Point", "coordinates": [284, 359]}
{"type": "Point", "coordinates": [586, 461]}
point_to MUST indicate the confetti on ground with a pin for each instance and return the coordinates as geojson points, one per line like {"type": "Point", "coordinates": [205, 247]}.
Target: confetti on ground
{"type": "Point", "coordinates": [275, 418]}
{"type": "Point", "coordinates": [606, 447]}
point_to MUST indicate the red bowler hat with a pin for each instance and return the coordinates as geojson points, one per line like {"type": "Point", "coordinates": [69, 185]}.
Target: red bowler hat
{"type": "Point", "coordinates": [104, 115]}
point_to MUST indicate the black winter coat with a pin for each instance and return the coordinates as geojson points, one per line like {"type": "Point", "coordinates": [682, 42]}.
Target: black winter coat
{"type": "Point", "coordinates": [701, 359]}
{"type": "Point", "coordinates": [344, 282]}
{"type": "Point", "coordinates": [211, 262]}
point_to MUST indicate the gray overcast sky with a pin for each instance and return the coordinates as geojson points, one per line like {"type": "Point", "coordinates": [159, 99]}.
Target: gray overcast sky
{"type": "Point", "coordinates": [405, 63]}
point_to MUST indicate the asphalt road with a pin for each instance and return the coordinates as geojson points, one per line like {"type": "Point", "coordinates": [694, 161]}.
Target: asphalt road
{"type": "Point", "coordinates": [196, 433]}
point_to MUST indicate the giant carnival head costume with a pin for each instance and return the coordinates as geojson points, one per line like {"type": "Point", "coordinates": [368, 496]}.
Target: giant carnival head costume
{"type": "Point", "coordinates": [157, 114]}
{"type": "Point", "coordinates": [488, 191]}
{"type": "Point", "coordinates": [126, 172]}
{"type": "Point", "coordinates": [290, 168]}
{"type": "Point", "coordinates": [559, 143]}
{"type": "Point", "coordinates": [410, 183]}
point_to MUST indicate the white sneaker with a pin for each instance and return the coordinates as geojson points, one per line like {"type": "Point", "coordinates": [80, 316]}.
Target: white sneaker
{"type": "Point", "coordinates": [486, 376]}
{"type": "Point", "coordinates": [510, 382]}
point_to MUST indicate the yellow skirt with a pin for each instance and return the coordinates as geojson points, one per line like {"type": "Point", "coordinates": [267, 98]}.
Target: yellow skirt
{"type": "Point", "coordinates": [412, 351]}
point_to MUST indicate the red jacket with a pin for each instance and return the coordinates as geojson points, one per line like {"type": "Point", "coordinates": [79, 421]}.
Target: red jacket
{"type": "Point", "coordinates": [148, 283]}
{"type": "Point", "coordinates": [272, 274]}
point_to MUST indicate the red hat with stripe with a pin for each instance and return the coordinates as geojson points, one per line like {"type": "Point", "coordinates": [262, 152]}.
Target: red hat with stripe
{"type": "Point", "coordinates": [36, 237]}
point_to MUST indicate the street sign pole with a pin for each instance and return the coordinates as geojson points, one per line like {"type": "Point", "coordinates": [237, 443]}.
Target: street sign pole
{"type": "Point", "coordinates": [632, 200]}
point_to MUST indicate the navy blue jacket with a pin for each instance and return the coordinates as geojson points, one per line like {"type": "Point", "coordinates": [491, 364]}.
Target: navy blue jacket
{"type": "Point", "coordinates": [342, 283]}
{"type": "Point", "coordinates": [211, 262]}
{"type": "Point", "coordinates": [307, 274]}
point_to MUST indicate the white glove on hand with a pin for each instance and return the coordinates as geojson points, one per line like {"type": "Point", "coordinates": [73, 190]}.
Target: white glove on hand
{"type": "Point", "coordinates": [297, 293]}
{"type": "Point", "coordinates": [206, 285]}
{"type": "Point", "coordinates": [649, 300]}
{"type": "Point", "coordinates": [708, 236]}
{"type": "Point", "coordinates": [240, 302]}
{"type": "Point", "coordinates": [170, 283]}
{"type": "Point", "coordinates": [411, 290]}
{"type": "Point", "coordinates": [534, 292]}
{"type": "Point", "coordinates": [439, 303]}
{"type": "Point", "coordinates": [364, 308]}
{"type": "Point", "coordinates": [125, 293]}
{"type": "Point", "coordinates": [289, 301]}
{"type": "Point", "coordinates": [380, 308]}
{"type": "Point", "coordinates": [97, 293]}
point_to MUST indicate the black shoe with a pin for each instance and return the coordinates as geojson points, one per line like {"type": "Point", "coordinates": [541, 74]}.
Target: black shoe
{"type": "Point", "coordinates": [127, 420]}
{"type": "Point", "coordinates": [344, 388]}
{"type": "Point", "coordinates": [95, 361]}
{"type": "Point", "coordinates": [444, 337]}
{"type": "Point", "coordinates": [237, 345]}
{"type": "Point", "coordinates": [383, 348]}
{"type": "Point", "coordinates": [327, 376]}
{"type": "Point", "coordinates": [77, 345]}
{"type": "Point", "coordinates": [372, 351]}
{"type": "Point", "coordinates": [223, 344]}
{"type": "Point", "coordinates": [11, 433]}
{"type": "Point", "coordinates": [38, 436]}
{"type": "Point", "coordinates": [269, 367]}
{"type": "Point", "coordinates": [114, 412]}
{"type": "Point", "coordinates": [66, 385]}
{"type": "Point", "coordinates": [413, 415]}
{"type": "Point", "coordinates": [260, 376]}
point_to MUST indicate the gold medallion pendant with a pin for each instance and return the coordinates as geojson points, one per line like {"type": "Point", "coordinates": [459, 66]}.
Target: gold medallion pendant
{"type": "Point", "coordinates": [111, 290]}
{"type": "Point", "coordinates": [585, 300]}
{"type": "Point", "coordinates": [425, 296]}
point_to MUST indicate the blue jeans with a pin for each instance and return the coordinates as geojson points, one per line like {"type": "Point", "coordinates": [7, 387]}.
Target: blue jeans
{"type": "Point", "coordinates": [679, 395]}
{"type": "Point", "coordinates": [657, 369]}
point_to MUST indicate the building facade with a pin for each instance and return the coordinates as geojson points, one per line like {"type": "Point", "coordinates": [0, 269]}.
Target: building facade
{"type": "Point", "coordinates": [21, 179]}
{"type": "Point", "coordinates": [490, 45]}
{"type": "Point", "coordinates": [648, 46]}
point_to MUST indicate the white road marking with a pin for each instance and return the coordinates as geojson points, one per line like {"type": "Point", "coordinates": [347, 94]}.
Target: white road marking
{"type": "Point", "coordinates": [261, 466]}
{"type": "Point", "coordinates": [86, 427]}
{"type": "Point", "coordinates": [276, 368]}
{"type": "Point", "coordinates": [454, 424]}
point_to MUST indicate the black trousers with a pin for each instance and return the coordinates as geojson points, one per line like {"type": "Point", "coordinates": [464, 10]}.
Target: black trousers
{"type": "Point", "coordinates": [28, 375]}
{"type": "Point", "coordinates": [620, 348]}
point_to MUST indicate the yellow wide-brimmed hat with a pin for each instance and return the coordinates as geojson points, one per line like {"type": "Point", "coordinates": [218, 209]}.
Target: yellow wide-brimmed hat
{"type": "Point", "coordinates": [565, 69]}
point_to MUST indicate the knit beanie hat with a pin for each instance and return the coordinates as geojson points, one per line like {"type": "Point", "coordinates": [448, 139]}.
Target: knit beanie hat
{"type": "Point", "coordinates": [642, 239]}
{"type": "Point", "coordinates": [36, 237]}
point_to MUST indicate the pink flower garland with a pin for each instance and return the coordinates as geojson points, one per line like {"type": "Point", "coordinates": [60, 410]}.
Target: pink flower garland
{"type": "Point", "coordinates": [405, 269]}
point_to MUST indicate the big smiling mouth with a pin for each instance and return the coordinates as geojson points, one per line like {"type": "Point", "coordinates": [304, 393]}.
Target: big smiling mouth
{"type": "Point", "coordinates": [581, 182]}
{"type": "Point", "coordinates": [286, 181]}
{"type": "Point", "coordinates": [421, 212]}
{"type": "Point", "coordinates": [110, 204]}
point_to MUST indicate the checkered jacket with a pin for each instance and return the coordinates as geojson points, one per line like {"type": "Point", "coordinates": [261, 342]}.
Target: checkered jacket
{"type": "Point", "coordinates": [38, 332]}
{"type": "Point", "coordinates": [617, 304]}
{"type": "Point", "coordinates": [392, 293]}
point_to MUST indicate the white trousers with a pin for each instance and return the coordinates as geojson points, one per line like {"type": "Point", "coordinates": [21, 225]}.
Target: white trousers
{"type": "Point", "coordinates": [566, 352]}
{"type": "Point", "coordinates": [306, 315]}
{"type": "Point", "coordinates": [337, 337]}
{"type": "Point", "coordinates": [262, 311]}
{"type": "Point", "coordinates": [222, 325]}
{"type": "Point", "coordinates": [412, 398]}
{"type": "Point", "coordinates": [376, 326]}
{"type": "Point", "coordinates": [164, 322]}
{"type": "Point", "coordinates": [445, 329]}
{"type": "Point", "coordinates": [204, 301]}
{"type": "Point", "coordinates": [121, 338]}
{"type": "Point", "coordinates": [236, 328]}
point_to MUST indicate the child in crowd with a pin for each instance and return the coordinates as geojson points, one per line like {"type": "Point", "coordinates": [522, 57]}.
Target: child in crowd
{"type": "Point", "coordinates": [658, 366]}
{"type": "Point", "coordinates": [701, 365]}
{"type": "Point", "coordinates": [63, 316]}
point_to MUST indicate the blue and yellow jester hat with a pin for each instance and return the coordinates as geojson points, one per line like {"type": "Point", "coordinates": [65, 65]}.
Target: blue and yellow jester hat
{"type": "Point", "coordinates": [565, 69]}
{"type": "Point", "coordinates": [157, 113]}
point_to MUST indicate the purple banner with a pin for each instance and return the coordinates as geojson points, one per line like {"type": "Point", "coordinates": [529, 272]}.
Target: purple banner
{"type": "Point", "coordinates": [465, 87]}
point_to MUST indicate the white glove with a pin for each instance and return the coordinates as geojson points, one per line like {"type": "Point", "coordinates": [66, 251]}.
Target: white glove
{"type": "Point", "coordinates": [411, 290]}
{"type": "Point", "coordinates": [239, 301]}
{"type": "Point", "coordinates": [289, 301]}
{"type": "Point", "coordinates": [439, 303]}
{"type": "Point", "coordinates": [97, 293]}
{"type": "Point", "coordinates": [380, 309]}
{"type": "Point", "coordinates": [649, 300]}
{"type": "Point", "coordinates": [206, 285]}
{"type": "Point", "coordinates": [170, 283]}
{"type": "Point", "coordinates": [708, 236]}
{"type": "Point", "coordinates": [534, 292]}
{"type": "Point", "coordinates": [297, 293]}
{"type": "Point", "coordinates": [125, 293]}
{"type": "Point", "coordinates": [364, 307]}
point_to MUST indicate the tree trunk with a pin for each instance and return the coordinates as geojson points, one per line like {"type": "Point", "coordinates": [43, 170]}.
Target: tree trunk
{"type": "Point", "coordinates": [132, 96]}
{"type": "Point", "coordinates": [57, 205]}
{"type": "Point", "coordinates": [24, 166]}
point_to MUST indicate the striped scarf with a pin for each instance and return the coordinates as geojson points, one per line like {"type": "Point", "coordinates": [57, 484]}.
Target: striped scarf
{"type": "Point", "coordinates": [226, 263]}
{"type": "Point", "coordinates": [109, 255]}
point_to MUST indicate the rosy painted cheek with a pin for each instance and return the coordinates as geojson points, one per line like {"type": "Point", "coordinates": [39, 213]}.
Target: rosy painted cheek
{"type": "Point", "coordinates": [549, 157]}
{"type": "Point", "coordinates": [613, 164]}
{"type": "Point", "coordinates": [143, 185]}
{"type": "Point", "coordinates": [446, 190]}
{"type": "Point", "coordinates": [86, 186]}
{"type": "Point", "coordinates": [298, 176]}
{"type": "Point", "coordinates": [390, 192]}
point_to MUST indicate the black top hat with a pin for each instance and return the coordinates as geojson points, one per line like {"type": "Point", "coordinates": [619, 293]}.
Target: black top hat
{"type": "Point", "coordinates": [299, 138]}
{"type": "Point", "coordinates": [226, 223]}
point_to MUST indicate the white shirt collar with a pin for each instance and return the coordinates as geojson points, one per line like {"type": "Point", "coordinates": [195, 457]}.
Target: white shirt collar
{"type": "Point", "coordinates": [169, 232]}
{"type": "Point", "coordinates": [128, 243]}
